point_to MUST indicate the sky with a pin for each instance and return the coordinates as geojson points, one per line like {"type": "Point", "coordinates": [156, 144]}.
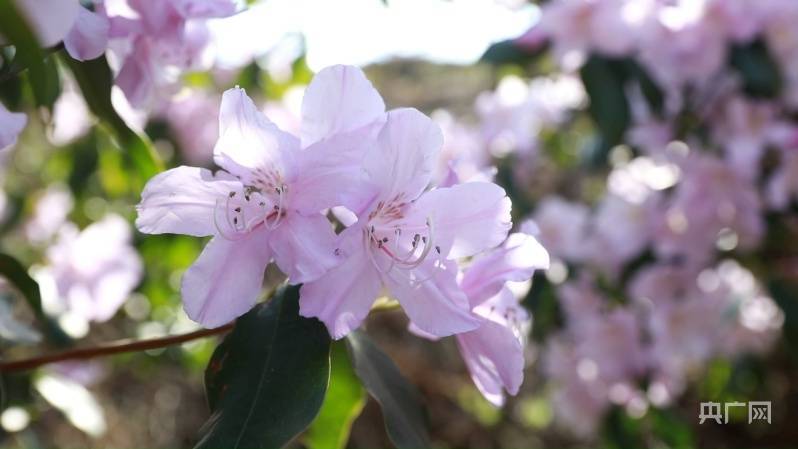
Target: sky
{"type": "Point", "coordinates": [360, 32]}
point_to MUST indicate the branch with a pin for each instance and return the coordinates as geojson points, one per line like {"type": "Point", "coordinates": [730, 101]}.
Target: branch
{"type": "Point", "coordinates": [115, 347]}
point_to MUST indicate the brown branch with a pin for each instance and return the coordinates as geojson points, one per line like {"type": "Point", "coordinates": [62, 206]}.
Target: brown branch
{"type": "Point", "coordinates": [115, 347]}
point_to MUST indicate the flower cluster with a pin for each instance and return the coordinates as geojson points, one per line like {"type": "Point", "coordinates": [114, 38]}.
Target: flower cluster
{"type": "Point", "coordinates": [149, 44]}
{"type": "Point", "coordinates": [653, 274]}
{"type": "Point", "coordinates": [270, 201]}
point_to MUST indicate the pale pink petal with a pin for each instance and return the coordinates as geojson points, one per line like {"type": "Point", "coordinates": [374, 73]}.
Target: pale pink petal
{"type": "Point", "coordinates": [405, 154]}
{"type": "Point", "coordinates": [198, 9]}
{"type": "Point", "coordinates": [342, 298]}
{"type": "Point", "coordinates": [304, 247]}
{"type": "Point", "coordinates": [495, 359]}
{"type": "Point", "coordinates": [467, 218]}
{"type": "Point", "coordinates": [226, 280]}
{"type": "Point", "coordinates": [182, 200]}
{"type": "Point", "coordinates": [431, 298]}
{"type": "Point", "coordinates": [50, 20]}
{"type": "Point", "coordinates": [494, 353]}
{"type": "Point", "coordinates": [88, 38]}
{"type": "Point", "coordinates": [11, 124]}
{"type": "Point", "coordinates": [249, 141]}
{"type": "Point", "coordinates": [135, 77]}
{"type": "Point", "coordinates": [329, 173]}
{"type": "Point", "coordinates": [516, 261]}
{"type": "Point", "coordinates": [339, 99]}
{"type": "Point", "coordinates": [415, 330]}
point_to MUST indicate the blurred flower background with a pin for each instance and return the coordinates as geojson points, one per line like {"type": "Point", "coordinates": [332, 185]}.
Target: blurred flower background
{"type": "Point", "coordinates": [650, 145]}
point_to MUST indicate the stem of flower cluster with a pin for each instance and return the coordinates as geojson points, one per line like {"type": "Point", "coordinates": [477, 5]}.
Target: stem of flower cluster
{"type": "Point", "coordinates": [116, 347]}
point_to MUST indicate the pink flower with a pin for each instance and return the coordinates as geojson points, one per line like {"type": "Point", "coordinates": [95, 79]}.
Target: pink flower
{"type": "Point", "coordinates": [84, 32]}
{"type": "Point", "coordinates": [159, 40]}
{"type": "Point", "coordinates": [88, 37]}
{"type": "Point", "coordinates": [563, 226]}
{"type": "Point", "coordinates": [746, 128]}
{"type": "Point", "coordinates": [582, 26]}
{"type": "Point", "coordinates": [620, 231]}
{"type": "Point", "coordinates": [266, 202]}
{"type": "Point", "coordinates": [90, 273]}
{"type": "Point", "coordinates": [710, 200]}
{"type": "Point", "coordinates": [406, 239]}
{"type": "Point", "coordinates": [192, 119]}
{"type": "Point", "coordinates": [50, 20]}
{"type": "Point", "coordinates": [11, 124]}
{"type": "Point", "coordinates": [494, 352]}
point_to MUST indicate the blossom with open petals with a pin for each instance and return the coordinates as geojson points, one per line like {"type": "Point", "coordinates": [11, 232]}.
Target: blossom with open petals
{"type": "Point", "coordinates": [494, 352]}
{"type": "Point", "coordinates": [267, 201]}
{"type": "Point", "coordinates": [407, 239]}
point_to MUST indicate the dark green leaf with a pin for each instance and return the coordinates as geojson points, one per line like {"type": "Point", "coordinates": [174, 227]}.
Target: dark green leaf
{"type": "Point", "coordinates": [508, 52]}
{"type": "Point", "coordinates": [266, 381]}
{"type": "Point", "coordinates": [399, 400]}
{"type": "Point", "coordinates": [18, 276]}
{"type": "Point", "coordinates": [785, 293]}
{"type": "Point", "coordinates": [42, 71]}
{"type": "Point", "coordinates": [344, 402]}
{"type": "Point", "coordinates": [760, 73]}
{"type": "Point", "coordinates": [95, 81]}
{"type": "Point", "coordinates": [604, 81]}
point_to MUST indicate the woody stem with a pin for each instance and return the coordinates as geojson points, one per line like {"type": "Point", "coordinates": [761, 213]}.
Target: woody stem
{"type": "Point", "coordinates": [115, 347]}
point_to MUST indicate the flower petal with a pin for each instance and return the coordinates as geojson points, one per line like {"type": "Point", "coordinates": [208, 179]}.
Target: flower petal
{"type": "Point", "coordinates": [11, 124]}
{"type": "Point", "coordinates": [403, 159]}
{"type": "Point", "coordinates": [249, 141]}
{"type": "Point", "coordinates": [203, 9]}
{"type": "Point", "coordinates": [516, 261]}
{"type": "Point", "coordinates": [304, 247]}
{"type": "Point", "coordinates": [495, 358]}
{"type": "Point", "coordinates": [135, 78]}
{"type": "Point", "coordinates": [226, 280]}
{"type": "Point", "coordinates": [467, 218]}
{"type": "Point", "coordinates": [88, 38]}
{"type": "Point", "coordinates": [50, 20]}
{"type": "Point", "coordinates": [182, 201]}
{"type": "Point", "coordinates": [342, 298]}
{"type": "Point", "coordinates": [330, 173]}
{"type": "Point", "coordinates": [339, 99]}
{"type": "Point", "coordinates": [431, 298]}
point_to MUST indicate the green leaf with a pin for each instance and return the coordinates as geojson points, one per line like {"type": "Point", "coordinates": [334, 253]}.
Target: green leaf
{"type": "Point", "coordinates": [266, 382]}
{"type": "Point", "coordinates": [42, 71]}
{"type": "Point", "coordinates": [604, 81]}
{"type": "Point", "coordinates": [344, 402]}
{"type": "Point", "coordinates": [785, 293]}
{"type": "Point", "coordinates": [508, 52]}
{"type": "Point", "coordinates": [760, 73]}
{"type": "Point", "coordinates": [95, 80]}
{"type": "Point", "coordinates": [18, 276]}
{"type": "Point", "coordinates": [399, 400]}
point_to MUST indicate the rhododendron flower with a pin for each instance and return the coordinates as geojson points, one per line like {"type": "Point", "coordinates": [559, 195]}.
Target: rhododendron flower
{"type": "Point", "coordinates": [84, 32]}
{"type": "Point", "coordinates": [90, 273]}
{"type": "Point", "coordinates": [161, 38]}
{"type": "Point", "coordinates": [406, 239]}
{"type": "Point", "coordinates": [494, 352]}
{"type": "Point", "coordinates": [11, 124]}
{"type": "Point", "coordinates": [266, 202]}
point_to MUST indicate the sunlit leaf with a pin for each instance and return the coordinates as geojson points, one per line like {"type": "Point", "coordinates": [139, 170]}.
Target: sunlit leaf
{"type": "Point", "coordinates": [266, 382]}
{"type": "Point", "coordinates": [344, 402]}
{"type": "Point", "coordinates": [17, 275]}
{"type": "Point", "coordinates": [400, 401]}
{"type": "Point", "coordinates": [95, 80]}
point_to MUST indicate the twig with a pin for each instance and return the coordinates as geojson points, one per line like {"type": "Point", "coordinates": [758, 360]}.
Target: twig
{"type": "Point", "coordinates": [116, 347]}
